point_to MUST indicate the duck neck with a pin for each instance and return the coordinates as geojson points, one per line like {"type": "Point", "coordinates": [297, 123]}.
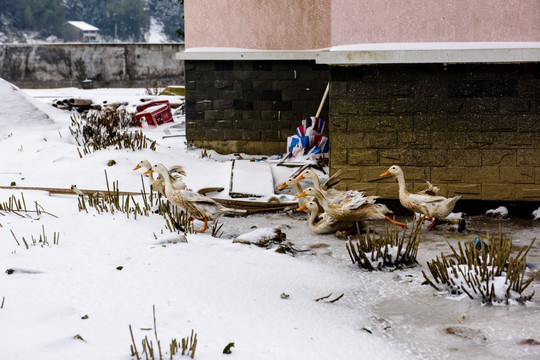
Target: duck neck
{"type": "Point", "coordinates": [322, 200]}
{"type": "Point", "coordinates": [312, 217]}
{"type": "Point", "coordinates": [298, 187]}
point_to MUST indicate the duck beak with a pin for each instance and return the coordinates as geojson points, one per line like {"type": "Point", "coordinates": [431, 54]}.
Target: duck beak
{"type": "Point", "coordinates": [302, 208]}
{"type": "Point", "coordinates": [299, 178]}
{"type": "Point", "coordinates": [282, 186]}
{"type": "Point", "coordinates": [386, 173]}
{"type": "Point", "coordinates": [148, 172]}
{"type": "Point", "coordinates": [137, 167]}
{"type": "Point", "coordinates": [302, 194]}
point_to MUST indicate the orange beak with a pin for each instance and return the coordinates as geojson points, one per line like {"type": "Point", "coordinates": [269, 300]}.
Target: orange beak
{"type": "Point", "coordinates": [386, 173]}
{"type": "Point", "coordinates": [302, 208]}
{"type": "Point", "coordinates": [282, 186]}
{"type": "Point", "coordinates": [148, 172]}
{"type": "Point", "coordinates": [302, 194]}
{"type": "Point", "coordinates": [299, 178]}
{"type": "Point", "coordinates": [137, 167]}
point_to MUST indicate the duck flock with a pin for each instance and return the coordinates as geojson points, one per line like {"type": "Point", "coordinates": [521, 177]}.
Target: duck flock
{"type": "Point", "coordinates": [329, 210]}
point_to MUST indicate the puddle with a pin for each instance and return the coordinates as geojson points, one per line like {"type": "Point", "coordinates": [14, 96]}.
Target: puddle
{"type": "Point", "coordinates": [427, 324]}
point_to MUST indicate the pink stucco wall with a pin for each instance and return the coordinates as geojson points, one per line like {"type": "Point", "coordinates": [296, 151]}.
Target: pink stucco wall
{"type": "Point", "coordinates": [315, 24]}
{"type": "Point", "coordinates": [368, 21]}
{"type": "Point", "coordinates": [257, 24]}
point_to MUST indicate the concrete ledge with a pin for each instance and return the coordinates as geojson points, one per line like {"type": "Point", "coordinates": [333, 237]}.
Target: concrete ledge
{"type": "Point", "coordinates": [421, 53]}
{"type": "Point", "coordinates": [388, 53]}
{"type": "Point", "coordinates": [245, 54]}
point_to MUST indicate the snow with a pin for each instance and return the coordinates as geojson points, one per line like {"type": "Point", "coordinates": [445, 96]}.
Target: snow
{"type": "Point", "coordinates": [536, 214]}
{"type": "Point", "coordinates": [501, 212]}
{"type": "Point", "coordinates": [155, 33]}
{"type": "Point", "coordinates": [108, 271]}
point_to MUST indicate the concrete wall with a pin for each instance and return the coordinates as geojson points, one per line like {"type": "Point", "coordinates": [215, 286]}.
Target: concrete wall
{"type": "Point", "coordinates": [471, 129]}
{"type": "Point", "coordinates": [316, 24]}
{"type": "Point", "coordinates": [108, 65]}
{"type": "Point", "coordinates": [251, 106]}
{"type": "Point", "coordinates": [258, 24]}
{"type": "Point", "coordinates": [387, 21]}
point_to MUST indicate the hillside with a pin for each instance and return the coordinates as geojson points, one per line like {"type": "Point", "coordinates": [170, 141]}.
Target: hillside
{"type": "Point", "coordinates": [34, 21]}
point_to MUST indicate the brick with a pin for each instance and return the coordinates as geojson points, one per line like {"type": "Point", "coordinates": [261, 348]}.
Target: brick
{"type": "Point", "coordinates": [499, 157]}
{"type": "Point", "coordinates": [514, 105]}
{"type": "Point", "coordinates": [392, 156]}
{"type": "Point", "coordinates": [517, 175]}
{"type": "Point", "coordinates": [466, 122]}
{"type": "Point", "coordinates": [410, 106]}
{"type": "Point", "coordinates": [398, 123]}
{"type": "Point", "coordinates": [387, 190]}
{"type": "Point", "coordinates": [344, 106]}
{"type": "Point", "coordinates": [528, 123]}
{"type": "Point", "coordinates": [380, 140]}
{"type": "Point", "coordinates": [515, 140]}
{"type": "Point", "coordinates": [465, 157]}
{"type": "Point", "coordinates": [453, 174]}
{"type": "Point", "coordinates": [339, 157]}
{"type": "Point", "coordinates": [528, 192]}
{"type": "Point", "coordinates": [362, 157]}
{"type": "Point", "coordinates": [467, 191]}
{"type": "Point", "coordinates": [528, 157]}
{"type": "Point", "coordinates": [499, 123]}
{"type": "Point", "coordinates": [363, 123]}
{"type": "Point", "coordinates": [428, 157]}
{"type": "Point", "coordinates": [377, 106]}
{"type": "Point", "coordinates": [498, 191]}
{"type": "Point", "coordinates": [213, 115]}
{"type": "Point", "coordinates": [363, 90]}
{"type": "Point", "coordinates": [339, 140]}
{"type": "Point", "coordinates": [415, 140]}
{"type": "Point", "coordinates": [348, 172]}
{"type": "Point", "coordinates": [429, 123]}
{"type": "Point", "coordinates": [482, 105]}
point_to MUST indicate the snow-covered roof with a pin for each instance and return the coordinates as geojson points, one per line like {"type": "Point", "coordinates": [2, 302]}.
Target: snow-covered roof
{"type": "Point", "coordinates": [83, 26]}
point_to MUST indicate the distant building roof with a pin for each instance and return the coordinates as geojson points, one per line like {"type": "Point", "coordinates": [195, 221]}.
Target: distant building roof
{"type": "Point", "coordinates": [83, 26]}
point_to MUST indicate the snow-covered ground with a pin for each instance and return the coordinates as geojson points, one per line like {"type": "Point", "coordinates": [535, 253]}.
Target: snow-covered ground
{"type": "Point", "coordinates": [77, 298]}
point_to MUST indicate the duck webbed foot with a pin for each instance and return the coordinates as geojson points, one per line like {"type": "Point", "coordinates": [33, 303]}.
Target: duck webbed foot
{"type": "Point", "coordinates": [400, 224]}
{"type": "Point", "coordinates": [205, 226]}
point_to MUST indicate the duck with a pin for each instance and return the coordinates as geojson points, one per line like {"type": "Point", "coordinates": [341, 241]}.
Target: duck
{"type": "Point", "coordinates": [290, 182]}
{"type": "Point", "coordinates": [356, 208]}
{"type": "Point", "coordinates": [322, 223]}
{"type": "Point", "coordinates": [196, 205]}
{"type": "Point", "coordinates": [158, 184]}
{"type": "Point", "coordinates": [332, 195]}
{"type": "Point", "coordinates": [429, 205]}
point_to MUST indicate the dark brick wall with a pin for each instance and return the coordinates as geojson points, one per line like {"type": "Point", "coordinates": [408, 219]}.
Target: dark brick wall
{"type": "Point", "coordinates": [250, 106]}
{"type": "Point", "coordinates": [471, 129]}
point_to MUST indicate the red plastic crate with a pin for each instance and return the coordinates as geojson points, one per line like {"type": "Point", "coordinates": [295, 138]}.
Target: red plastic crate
{"type": "Point", "coordinates": [155, 114]}
{"type": "Point", "coordinates": [147, 104]}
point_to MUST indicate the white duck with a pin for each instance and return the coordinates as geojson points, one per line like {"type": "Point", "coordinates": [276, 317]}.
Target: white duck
{"type": "Point", "coordinates": [332, 195]}
{"type": "Point", "coordinates": [431, 206]}
{"type": "Point", "coordinates": [290, 182]}
{"type": "Point", "coordinates": [158, 184]}
{"type": "Point", "coordinates": [196, 205]}
{"type": "Point", "coordinates": [322, 223]}
{"type": "Point", "coordinates": [356, 208]}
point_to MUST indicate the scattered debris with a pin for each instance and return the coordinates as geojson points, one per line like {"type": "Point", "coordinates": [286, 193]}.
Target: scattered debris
{"type": "Point", "coordinates": [466, 333]}
{"type": "Point", "coordinates": [227, 349]}
{"type": "Point", "coordinates": [330, 301]}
